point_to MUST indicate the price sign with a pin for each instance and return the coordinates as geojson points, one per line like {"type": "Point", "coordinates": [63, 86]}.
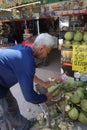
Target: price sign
{"type": "Point", "coordinates": [79, 58]}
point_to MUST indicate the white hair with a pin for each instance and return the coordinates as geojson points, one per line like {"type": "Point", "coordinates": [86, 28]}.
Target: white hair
{"type": "Point", "coordinates": [45, 39]}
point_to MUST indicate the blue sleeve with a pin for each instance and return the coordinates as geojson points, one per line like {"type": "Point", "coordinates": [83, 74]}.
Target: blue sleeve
{"type": "Point", "coordinates": [25, 78]}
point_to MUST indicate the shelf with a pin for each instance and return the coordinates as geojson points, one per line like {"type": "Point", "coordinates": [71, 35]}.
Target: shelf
{"type": "Point", "coordinates": [67, 64]}
{"type": "Point", "coordinates": [66, 49]}
{"type": "Point", "coordinates": [28, 19]}
{"type": "Point", "coordinates": [59, 14]}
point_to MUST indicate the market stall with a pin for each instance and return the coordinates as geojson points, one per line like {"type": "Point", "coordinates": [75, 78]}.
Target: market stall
{"type": "Point", "coordinates": [69, 103]}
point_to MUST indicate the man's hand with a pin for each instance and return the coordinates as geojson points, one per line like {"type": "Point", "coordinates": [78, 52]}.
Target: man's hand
{"type": "Point", "coordinates": [48, 84]}
{"type": "Point", "coordinates": [42, 83]}
{"type": "Point", "coordinates": [49, 96]}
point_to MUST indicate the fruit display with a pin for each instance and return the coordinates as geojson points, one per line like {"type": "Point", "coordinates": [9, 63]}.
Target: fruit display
{"type": "Point", "coordinates": [67, 106]}
{"type": "Point", "coordinates": [75, 38]}
{"type": "Point", "coordinates": [72, 103]}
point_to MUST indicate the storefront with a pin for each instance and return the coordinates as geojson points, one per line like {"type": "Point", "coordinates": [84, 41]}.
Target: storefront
{"type": "Point", "coordinates": [63, 20]}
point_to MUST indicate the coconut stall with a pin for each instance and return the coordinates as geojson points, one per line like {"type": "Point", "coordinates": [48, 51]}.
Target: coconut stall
{"type": "Point", "coordinates": [67, 109]}
{"type": "Point", "coordinates": [74, 69]}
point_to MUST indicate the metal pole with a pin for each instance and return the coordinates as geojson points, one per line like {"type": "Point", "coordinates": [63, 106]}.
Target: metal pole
{"type": "Point", "coordinates": [38, 29]}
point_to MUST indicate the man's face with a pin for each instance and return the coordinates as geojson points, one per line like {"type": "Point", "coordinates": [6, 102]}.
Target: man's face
{"type": "Point", "coordinates": [44, 51]}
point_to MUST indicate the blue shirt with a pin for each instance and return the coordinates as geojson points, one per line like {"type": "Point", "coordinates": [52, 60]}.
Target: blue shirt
{"type": "Point", "coordinates": [17, 64]}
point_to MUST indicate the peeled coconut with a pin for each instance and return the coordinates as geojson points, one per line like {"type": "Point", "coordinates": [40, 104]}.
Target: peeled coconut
{"type": "Point", "coordinates": [73, 114]}
{"type": "Point", "coordinates": [84, 105]}
{"type": "Point", "coordinates": [82, 118]}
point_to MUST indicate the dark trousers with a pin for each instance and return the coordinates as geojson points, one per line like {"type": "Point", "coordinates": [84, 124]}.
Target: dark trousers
{"type": "Point", "coordinates": [10, 116]}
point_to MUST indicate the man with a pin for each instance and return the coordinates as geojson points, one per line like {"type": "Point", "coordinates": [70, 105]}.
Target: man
{"type": "Point", "coordinates": [17, 64]}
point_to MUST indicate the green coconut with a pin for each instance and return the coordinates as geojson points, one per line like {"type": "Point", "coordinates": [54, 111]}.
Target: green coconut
{"type": "Point", "coordinates": [80, 84]}
{"type": "Point", "coordinates": [81, 88]}
{"type": "Point", "coordinates": [78, 36]}
{"type": "Point", "coordinates": [73, 114]}
{"type": "Point", "coordinates": [82, 118]}
{"type": "Point", "coordinates": [80, 93]}
{"type": "Point", "coordinates": [85, 36]}
{"type": "Point", "coordinates": [76, 43]}
{"type": "Point", "coordinates": [69, 36]}
{"type": "Point", "coordinates": [84, 105]}
{"type": "Point", "coordinates": [75, 99]}
{"type": "Point", "coordinates": [67, 44]}
{"type": "Point", "coordinates": [69, 94]}
{"type": "Point", "coordinates": [52, 88]}
{"type": "Point", "coordinates": [84, 42]}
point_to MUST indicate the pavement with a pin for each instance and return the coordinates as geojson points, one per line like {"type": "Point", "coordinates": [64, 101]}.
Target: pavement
{"type": "Point", "coordinates": [27, 109]}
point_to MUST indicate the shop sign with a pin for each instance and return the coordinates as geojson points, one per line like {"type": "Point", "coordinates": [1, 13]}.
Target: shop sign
{"type": "Point", "coordinates": [79, 58]}
{"type": "Point", "coordinates": [81, 11]}
{"type": "Point", "coordinates": [65, 12]}
{"type": "Point", "coordinates": [76, 12]}
{"type": "Point", "coordinates": [70, 12]}
{"type": "Point", "coordinates": [86, 11]}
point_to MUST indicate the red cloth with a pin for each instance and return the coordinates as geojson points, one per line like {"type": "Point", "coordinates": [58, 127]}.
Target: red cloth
{"type": "Point", "coordinates": [27, 43]}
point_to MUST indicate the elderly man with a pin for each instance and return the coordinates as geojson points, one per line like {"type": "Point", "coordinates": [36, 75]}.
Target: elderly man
{"type": "Point", "coordinates": [17, 65]}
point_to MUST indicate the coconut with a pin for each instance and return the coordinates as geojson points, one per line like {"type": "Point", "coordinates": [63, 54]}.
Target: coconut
{"type": "Point", "coordinates": [68, 35]}
{"type": "Point", "coordinates": [84, 43]}
{"type": "Point", "coordinates": [75, 98]}
{"type": "Point", "coordinates": [73, 113]}
{"type": "Point", "coordinates": [67, 44]}
{"type": "Point", "coordinates": [69, 94]}
{"type": "Point", "coordinates": [80, 93]}
{"type": "Point", "coordinates": [78, 36]}
{"type": "Point", "coordinates": [81, 88]}
{"type": "Point", "coordinates": [75, 43]}
{"type": "Point", "coordinates": [84, 105]}
{"type": "Point", "coordinates": [85, 36]}
{"type": "Point", "coordinates": [82, 118]}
